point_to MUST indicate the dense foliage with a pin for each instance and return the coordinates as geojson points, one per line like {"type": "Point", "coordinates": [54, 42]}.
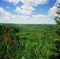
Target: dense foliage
{"type": "Point", "coordinates": [57, 17]}
{"type": "Point", "coordinates": [29, 42]}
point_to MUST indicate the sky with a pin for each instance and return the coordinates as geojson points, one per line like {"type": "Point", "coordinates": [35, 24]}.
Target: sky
{"type": "Point", "coordinates": [28, 11]}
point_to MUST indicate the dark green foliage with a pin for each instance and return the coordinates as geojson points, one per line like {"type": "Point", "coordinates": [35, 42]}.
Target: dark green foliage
{"type": "Point", "coordinates": [58, 30]}
{"type": "Point", "coordinates": [57, 18]}
{"type": "Point", "coordinates": [58, 12]}
{"type": "Point", "coordinates": [30, 42]}
{"type": "Point", "coordinates": [56, 50]}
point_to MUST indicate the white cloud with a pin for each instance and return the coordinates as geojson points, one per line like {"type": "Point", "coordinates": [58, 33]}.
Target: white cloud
{"type": "Point", "coordinates": [23, 11]}
{"type": "Point", "coordinates": [27, 7]}
{"type": "Point", "coordinates": [6, 17]}
{"type": "Point", "coordinates": [13, 1]}
{"type": "Point", "coordinates": [34, 2]}
{"type": "Point", "coordinates": [42, 19]}
{"type": "Point", "coordinates": [58, 1]}
{"type": "Point", "coordinates": [2, 13]}
{"type": "Point", "coordinates": [52, 11]}
{"type": "Point", "coordinates": [31, 2]}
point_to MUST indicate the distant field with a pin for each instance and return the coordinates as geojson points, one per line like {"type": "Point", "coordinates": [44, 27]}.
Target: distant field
{"type": "Point", "coordinates": [29, 41]}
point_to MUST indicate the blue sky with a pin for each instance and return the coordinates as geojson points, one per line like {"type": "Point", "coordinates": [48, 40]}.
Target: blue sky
{"type": "Point", "coordinates": [26, 11]}
{"type": "Point", "coordinates": [40, 9]}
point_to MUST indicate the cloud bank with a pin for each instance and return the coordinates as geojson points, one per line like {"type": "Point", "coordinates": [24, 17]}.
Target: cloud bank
{"type": "Point", "coordinates": [25, 11]}
{"type": "Point", "coordinates": [7, 17]}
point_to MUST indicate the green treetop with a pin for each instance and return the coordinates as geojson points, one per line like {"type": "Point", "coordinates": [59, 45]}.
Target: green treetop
{"type": "Point", "coordinates": [57, 18]}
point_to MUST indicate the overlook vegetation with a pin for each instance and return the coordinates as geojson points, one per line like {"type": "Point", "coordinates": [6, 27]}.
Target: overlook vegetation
{"type": "Point", "coordinates": [29, 41]}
